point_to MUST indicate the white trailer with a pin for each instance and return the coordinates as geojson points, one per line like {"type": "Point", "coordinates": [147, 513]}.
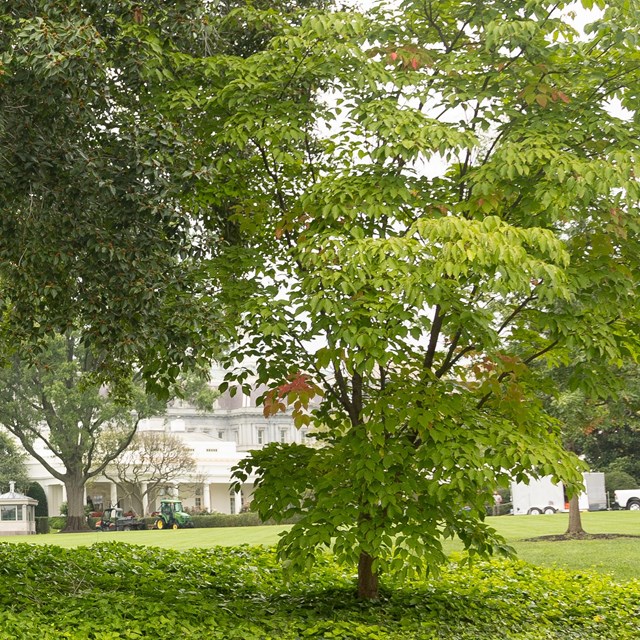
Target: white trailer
{"type": "Point", "coordinates": [544, 497]}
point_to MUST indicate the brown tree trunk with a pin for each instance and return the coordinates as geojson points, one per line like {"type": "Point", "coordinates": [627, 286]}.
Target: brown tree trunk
{"type": "Point", "coordinates": [575, 519]}
{"type": "Point", "coordinates": [76, 519]}
{"type": "Point", "coordinates": [367, 579]}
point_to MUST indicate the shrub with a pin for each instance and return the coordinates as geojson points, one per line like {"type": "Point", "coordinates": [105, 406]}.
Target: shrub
{"type": "Point", "coordinates": [616, 479]}
{"type": "Point", "coordinates": [36, 491]}
{"type": "Point", "coordinates": [42, 524]}
{"type": "Point", "coordinates": [246, 519]}
{"type": "Point", "coordinates": [57, 522]}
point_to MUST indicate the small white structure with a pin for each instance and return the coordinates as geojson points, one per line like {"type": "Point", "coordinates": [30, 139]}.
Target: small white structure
{"type": "Point", "coordinates": [17, 513]}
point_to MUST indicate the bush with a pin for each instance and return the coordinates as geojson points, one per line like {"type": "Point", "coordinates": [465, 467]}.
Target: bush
{"type": "Point", "coordinates": [57, 522]}
{"type": "Point", "coordinates": [616, 479]}
{"type": "Point", "coordinates": [42, 524]}
{"type": "Point", "coordinates": [36, 491]}
{"type": "Point", "coordinates": [247, 519]}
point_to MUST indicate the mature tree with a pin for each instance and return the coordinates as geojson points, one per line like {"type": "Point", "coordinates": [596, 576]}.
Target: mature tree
{"type": "Point", "coordinates": [97, 231]}
{"type": "Point", "coordinates": [12, 464]}
{"type": "Point", "coordinates": [153, 460]}
{"type": "Point", "coordinates": [465, 207]}
{"type": "Point", "coordinates": [64, 419]}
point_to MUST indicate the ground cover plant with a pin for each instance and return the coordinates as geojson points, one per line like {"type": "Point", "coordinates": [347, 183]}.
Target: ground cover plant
{"type": "Point", "coordinates": [613, 557]}
{"type": "Point", "coordinates": [112, 591]}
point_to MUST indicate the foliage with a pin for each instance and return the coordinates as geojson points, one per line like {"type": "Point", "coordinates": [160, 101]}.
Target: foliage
{"type": "Point", "coordinates": [616, 479]}
{"type": "Point", "coordinates": [248, 519]}
{"type": "Point", "coordinates": [617, 446]}
{"type": "Point", "coordinates": [240, 593]}
{"type": "Point", "coordinates": [42, 525]}
{"type": "Point", "coordinates": [97, 229]}
{"type": "Point", "coordinates": [603, 426]}
{"type": "Point", "coordinates": [12, 464]}
{"type": "Point", "coordinates": [36, 491]}
{"type": "Point", "coordinates": [57, 522]}
{"type": "Point", "coordinates": [65, 419]}
{"type": "Point", "coordinates": [464, 205]}
{"type": "Point", "coordinates": [91, 235]}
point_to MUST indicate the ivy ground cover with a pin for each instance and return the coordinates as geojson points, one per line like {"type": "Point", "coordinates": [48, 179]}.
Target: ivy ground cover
{"type": "Point", "coordinates": [116, 591]}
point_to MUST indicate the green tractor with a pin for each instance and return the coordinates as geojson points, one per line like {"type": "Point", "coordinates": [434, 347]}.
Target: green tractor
{"type": "Point", "coordinates": [171, 515]}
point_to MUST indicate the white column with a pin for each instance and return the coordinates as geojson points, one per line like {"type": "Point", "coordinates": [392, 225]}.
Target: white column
{"type": "Point", "coordinates": [114, 494]}
{"type": "Point", "coordinates": [64, 493]}
{"type": "Point", "coordinates": [145, 500]}
{"type": "Point", "coordinates": [206, 496]}
{"type": "Point", "coordinates": [237, 501]}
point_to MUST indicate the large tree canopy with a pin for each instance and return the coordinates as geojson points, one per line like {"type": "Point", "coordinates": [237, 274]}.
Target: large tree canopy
{"type": "Point", "coordinates": [91, 234]}
{"type": "Point", "coordinates": [465, 205]}
{"type": "Point", "coordinates": [97, 226]}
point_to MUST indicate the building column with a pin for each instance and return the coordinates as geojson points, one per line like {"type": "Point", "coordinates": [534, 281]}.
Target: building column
{"type": "Point", "coordinates": [206, 497]}
{"type": "Point", "coordinates": [114, 494]}
{"type": "Point", "coordinates": [145, 500]}
{"type": "Point", "coordinates": [64, 493]}
{"type": "Point", "coordinates": [237, 500]}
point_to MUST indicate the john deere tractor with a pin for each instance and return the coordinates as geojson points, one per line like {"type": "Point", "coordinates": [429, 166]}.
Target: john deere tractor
{"type": "Point", "coordinates": [171, 515]}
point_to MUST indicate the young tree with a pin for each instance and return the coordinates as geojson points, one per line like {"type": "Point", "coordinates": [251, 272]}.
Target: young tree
{"type": "Point", "coordinates": [64, 419]}
{"type": "Point", "coordinates": [464, 206]}
{"type": "Point", "coordinates": [12, 464]}
{"type": "Point", "coordinates": [152, 461]}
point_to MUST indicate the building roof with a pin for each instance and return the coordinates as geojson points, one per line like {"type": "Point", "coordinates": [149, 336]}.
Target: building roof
{"type": "Point", "coordinates": [13, 496]}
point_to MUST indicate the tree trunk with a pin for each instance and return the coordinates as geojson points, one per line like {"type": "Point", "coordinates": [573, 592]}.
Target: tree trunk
{"type": "Point", "coordinates": [367, 579]}
{"type": "Point", "coordinates": [76, 519]}
{"type": "Point", "coordinates": [575, 519]}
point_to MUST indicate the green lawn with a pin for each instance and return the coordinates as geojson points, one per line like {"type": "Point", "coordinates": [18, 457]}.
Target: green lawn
{"type": "Point", "coordinates": [179, 539]}
{"type": "Point", "coordinates": [618, 557]}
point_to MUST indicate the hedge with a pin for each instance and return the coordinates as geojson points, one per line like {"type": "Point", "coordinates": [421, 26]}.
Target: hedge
{"type": "Point", "coordinates": [42, 524]}
{"type": "Point", "coordinates": [248, 519]}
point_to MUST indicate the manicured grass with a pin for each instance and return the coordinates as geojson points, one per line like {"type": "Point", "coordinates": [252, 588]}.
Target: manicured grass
{"type": "Point", "coordinates": [180, 539]}
{"type": "Point", "coordinates": [619, 557]}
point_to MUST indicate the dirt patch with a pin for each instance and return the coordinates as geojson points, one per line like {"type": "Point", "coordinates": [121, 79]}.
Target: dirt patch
{"type": "Point", "coordinates": [583, 536]}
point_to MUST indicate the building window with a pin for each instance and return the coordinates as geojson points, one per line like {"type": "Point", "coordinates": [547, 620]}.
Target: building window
{"type": "Point", "coordinates": [198, 503]}
{"type": "Point", "coordinates": [260, 436]}
{"type": "Point", "coordinates": [236, 436]}
{"type": "Point", "coordinates": [221, 435]}
{"type": "Point", "coordinates": [10, 513]}
{"type": "Point", "coordinates": [232, 504]}
{"type": "Point", "coordinates": [283, 435]}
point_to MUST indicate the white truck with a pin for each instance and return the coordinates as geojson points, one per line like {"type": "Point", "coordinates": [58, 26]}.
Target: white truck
{"type": "Point", "coordinates": [544, 497]}
{"type": "Point", "coordinates": [628, 499]}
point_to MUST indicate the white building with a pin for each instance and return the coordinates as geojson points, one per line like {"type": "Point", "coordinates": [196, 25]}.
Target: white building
{"type": "Point", "coordinates": [218, 441]}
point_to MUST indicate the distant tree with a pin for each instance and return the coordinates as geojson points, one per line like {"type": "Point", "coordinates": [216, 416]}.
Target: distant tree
{"type": "Point", "coordinates": [152, 461]}
{"type": "Point", "coordinates": [66, 420]}
{"type": "Point", "coordinates": [12, 464]}
{"type": "Point", "coordinates": [615, 479]}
